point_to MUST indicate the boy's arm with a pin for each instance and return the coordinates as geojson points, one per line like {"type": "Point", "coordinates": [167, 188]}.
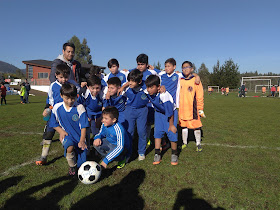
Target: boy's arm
{"type": "Point", "coordinates": [122, 88]}
{"type": "Point", "coordinates": [171, 124]}
{"type": "Point", "coordinates": [62, 133]}
{"type": "Point", "coordinates": [82, 143]}
{"type": "Point", "coordinates": [197, 78]}
{"type": "Point", "coordinates": [178, 94]}
{"type": "Point", "coordinates": [200, 99]}
{"type": "Point", "coordinates": [101, 133]}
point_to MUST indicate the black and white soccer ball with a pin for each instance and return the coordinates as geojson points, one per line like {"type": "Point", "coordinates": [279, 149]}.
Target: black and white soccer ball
{"type": "Point", "coordinates": [89, 172]}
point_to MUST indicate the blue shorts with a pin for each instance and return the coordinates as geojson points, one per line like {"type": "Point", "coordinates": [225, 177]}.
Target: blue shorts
{"type": "Point", "coordinates": [80, 154]}
{"type": "Point", "coordinates": [162, 125]}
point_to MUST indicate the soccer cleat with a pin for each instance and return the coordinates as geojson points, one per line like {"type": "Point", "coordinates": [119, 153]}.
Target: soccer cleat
{"type": "Point", "coordinates": [41, 161]}
{"type": "Point", "coordinates": [141, 157]}
{"type": "Point", "coordinates": [174, 159]}
{"type": "Point", "coordinates": [184, 146]}
{"type": "Point", "coordinates": [121, 163]}
{"type": "Point", "coordinates": [72, 171]}
{"type": "Point", "coordinates": [199, 148]}
{"type": "Point", "coordinates": [157, 159]}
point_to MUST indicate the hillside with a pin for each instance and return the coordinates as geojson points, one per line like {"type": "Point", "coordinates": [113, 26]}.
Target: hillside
{"type": "Point", "coordinates": [8, 68]}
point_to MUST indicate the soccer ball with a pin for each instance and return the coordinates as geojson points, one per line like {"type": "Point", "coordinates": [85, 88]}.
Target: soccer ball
{"type": "Point", "coordinates": [89, 172]}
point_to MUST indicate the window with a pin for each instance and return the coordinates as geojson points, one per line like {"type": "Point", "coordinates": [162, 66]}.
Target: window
{"type": "Point", "coordinates": [43, 75]}
{"type": "Point", "coordinates": [30, 71]}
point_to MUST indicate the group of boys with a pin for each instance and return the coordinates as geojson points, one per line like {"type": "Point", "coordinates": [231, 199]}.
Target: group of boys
{"type": "Point", "coordinates": [142, 96]}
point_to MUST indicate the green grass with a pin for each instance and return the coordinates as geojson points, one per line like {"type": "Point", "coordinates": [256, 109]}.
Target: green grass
{"type": "Point", "coordinates": [238, 168]}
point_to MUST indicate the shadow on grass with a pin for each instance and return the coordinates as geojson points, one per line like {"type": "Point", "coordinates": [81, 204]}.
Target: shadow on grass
{"type": "Point", "coordinates": [124, 195]}
{"type": "Point", "coordinates": [25, 199]}
{"type": "Point", "coordinates": [53, 160]}
{"type": "Point", "coordinates": [7, 183]}
{"type": "Point", "coordinates": [186, 200]}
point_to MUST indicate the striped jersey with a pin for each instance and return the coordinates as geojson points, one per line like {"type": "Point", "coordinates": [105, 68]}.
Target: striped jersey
{"type": "Point", "coordinates": [120, 75]}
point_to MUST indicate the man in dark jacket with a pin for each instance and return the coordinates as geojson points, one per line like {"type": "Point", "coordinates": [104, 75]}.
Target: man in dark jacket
{"type": "Point", "coordinates": [67, 57]}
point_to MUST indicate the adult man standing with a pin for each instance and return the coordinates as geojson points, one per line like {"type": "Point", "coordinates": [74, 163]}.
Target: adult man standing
{"type": "Point", "coordinates": [67, 57]}
{"type": "Point", "coordinates": [27, 87]}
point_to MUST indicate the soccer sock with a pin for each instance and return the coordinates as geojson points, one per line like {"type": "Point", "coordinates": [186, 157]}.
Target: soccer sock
{"type": "Point", "coordinates": [157, 151]}
{"type": "Point", "coordinates": [46, 148]}
{"type": "Point", "coordinates": [185, 135]}
{"type": "Point", "coordinates": [197, 134]}
{"type": "Point", "coordinates": [174, 152]}
{"type": "Point", "coordinates": [148, 131]}
{"type": "Point", "coordinates": [71, 159]}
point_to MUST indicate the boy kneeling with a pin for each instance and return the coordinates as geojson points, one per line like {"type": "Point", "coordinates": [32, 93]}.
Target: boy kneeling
{"type": "Point", "coordinates": [112, 142]}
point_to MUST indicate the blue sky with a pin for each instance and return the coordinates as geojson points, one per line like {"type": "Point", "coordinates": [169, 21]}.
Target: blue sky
{"type": "Point", "coordinates": [248, 31]}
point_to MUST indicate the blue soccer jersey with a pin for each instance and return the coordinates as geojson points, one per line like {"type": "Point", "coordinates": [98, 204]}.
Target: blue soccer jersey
{"type": "Point", "coordinates": [170, 82]}
{"type": "Point", "coordinates": [136, 98]}
{"type": "Point", "coordinates": [54, 92]}
{"type": "Point", "coordinates": [116, 135]}
{"type": "Point", "coordinates": [146, 74]}
{"type": "Point", "coordinates": [116, 101]}
{"type": "Point", "coordinates": [120, 75]}
{"type": "Point", "coordinates": [72, 120]}
{"type": "Point", "coordinates": [92, 104]}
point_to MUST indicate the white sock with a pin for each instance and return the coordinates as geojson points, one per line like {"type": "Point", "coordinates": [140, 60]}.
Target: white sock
{"type": "Point", "coordinates": [71, 159]}
{"type": "Point", "coordinates": [185, 135]}
{"type": "Point", "coordinates": [46, 148]}
{"type": "Point", "coordinates": [197, 134]}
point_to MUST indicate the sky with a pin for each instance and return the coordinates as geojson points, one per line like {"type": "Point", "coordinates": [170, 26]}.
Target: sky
{"type": "Point", "coordinates": [200, 31]}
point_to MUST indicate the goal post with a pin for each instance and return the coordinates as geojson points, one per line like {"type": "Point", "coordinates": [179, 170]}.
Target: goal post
{"type": "Point", "coordinates": [214, 87]}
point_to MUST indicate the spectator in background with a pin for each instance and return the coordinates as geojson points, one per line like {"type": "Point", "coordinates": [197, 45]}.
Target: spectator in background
{"type": "Point", "coordinates": [27, 87]}
{"type": "Point", "coordinates": [242, 90]}
{"type": "Point", "coordinates": [3, 93]}
{"type": "Point", "coordinates": [67, 57]}
{"type": "Point", "coordinates": [22, 93]}
{"type": "Point", "coordinates": [273, 90]}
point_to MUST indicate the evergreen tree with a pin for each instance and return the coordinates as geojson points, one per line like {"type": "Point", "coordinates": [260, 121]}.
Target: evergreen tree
{"type": "Point", "coordinates": [204, 75]}
{"type": "Point", "coordinates": [82, 51]}
{"type": "Point", "coordinates": [158, 66]}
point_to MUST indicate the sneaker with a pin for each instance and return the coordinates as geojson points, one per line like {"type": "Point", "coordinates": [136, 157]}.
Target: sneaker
{"type": "Point", "coordinates": [184, 146]}
{"type": "Point", "coordinates": [174, 160]}
{"type": "Point", "coordinates": [72, 171]}
{"type": "Point", "coordinates": [141, 157]}
{"type": "Point", "coordinates": [199, 148]}
{"type": "Point", "coordinates": [157, 159]}
{"type": "Point", "coordinates": [121, 163]}
{"type": "Point", "coordinates": [41, 161]}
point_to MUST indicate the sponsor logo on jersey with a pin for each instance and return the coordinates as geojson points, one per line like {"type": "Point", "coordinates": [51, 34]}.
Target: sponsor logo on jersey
{"type": "Point", "coordinates": [99, 103]}
{"type": "Point", "coordinates": [121, 78]}
{"type": "Point", "coordinates": [174, 78]}
{"type": "Point", "coordinates": [75, 117]}
{"type": "Point", "coordinates": [120, 101]}
{"type": "Point", "coordinates": [190, 88]}
{"type": "Point", "coordinates": [143, 96]}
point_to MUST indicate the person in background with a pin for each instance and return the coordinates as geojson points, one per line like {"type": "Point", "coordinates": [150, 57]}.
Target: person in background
{"type": "Point", "coordinates": [28, 88]}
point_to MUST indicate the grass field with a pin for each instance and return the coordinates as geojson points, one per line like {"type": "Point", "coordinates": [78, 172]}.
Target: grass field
{"type": "Point", "coordinates": [238, 168]}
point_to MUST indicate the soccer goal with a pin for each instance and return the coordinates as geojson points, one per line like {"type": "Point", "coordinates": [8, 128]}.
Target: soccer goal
{"type": "Point", "coordinates": [214, 88]}
{"type": "Point", "coordinates": [258, 88]}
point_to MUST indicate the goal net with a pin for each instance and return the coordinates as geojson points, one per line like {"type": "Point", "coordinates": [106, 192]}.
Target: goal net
{"type": "Point", "coordinates": [213, 88]}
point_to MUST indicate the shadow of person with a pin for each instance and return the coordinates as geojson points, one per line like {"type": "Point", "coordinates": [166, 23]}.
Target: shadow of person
{"type": "Point", "coordinates": [124, 195]}
{"type": "Point", "coordinates": [25, 199]}
{"type": "Point", "coordinates": [186, 200]}
{"type": "Point", "coordinates": [7, 183]}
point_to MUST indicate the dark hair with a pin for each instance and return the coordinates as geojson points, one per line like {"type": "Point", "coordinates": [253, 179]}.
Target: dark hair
{"type": "Point", "coordinates": [93, 80]}
{"type": "Point", "coordinates": [68, 44]}
{"type": "Point", "coordinates": [152, 80]}
{"type": "Point", "coordinates": [62, 69]}
{"type": "Point", "coordinates": [112, 62]}
{"type": "Point", "coordinates": [94, 70]}
{"type": "Point", "coordinates": [114, 81]}
{"type": "Point", "coordinates": [112, 111]}
{"type": "Point", "coordinates": [69, 90]}
{"type": "Point", "coordinates": [142, 58]}
{"type": "Point", "coordinates": [135, 75]}
{"type": "Point", "coordinates": [171, 61]}
{"type": "Point", "coordinates": [190, 63]}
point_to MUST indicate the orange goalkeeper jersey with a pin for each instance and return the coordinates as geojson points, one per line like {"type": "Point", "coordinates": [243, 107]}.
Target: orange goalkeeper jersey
{"type": "Point", "coordinates": [189, 98]}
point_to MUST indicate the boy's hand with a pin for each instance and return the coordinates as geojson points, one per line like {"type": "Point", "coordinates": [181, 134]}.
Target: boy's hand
{"type": "Point", "coordinates": [62, 135]}
{"type": "Point", "coordinates": [107, 97]}
{"type": "Point", "coordinates": [97, 142]}
{"type": "Point", "coordinates": [197, 79]}
{"type": "Point", "coordinates": [125, 70]}
{"type": "Point", "coordinates": [82, 145]}
{"type": "Point", "coordinates": [172, 128]}
{"type": "Point", "coordinates": [45, 112]}
{"type": "Point", "coordinates": [103, 164]}
{"type": "Point", "coordinates": [83, 84]}
{"type": "Point", "coordinates": [201, 113]}
{"type": "Point", "coordinates": [162, 89]}
{"type": "Point", "coordinates": [120, 90]}
{"type": "Point", "coordinates": [151, 67]}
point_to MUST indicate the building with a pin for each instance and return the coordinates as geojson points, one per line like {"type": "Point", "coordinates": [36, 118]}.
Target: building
{"type": "Point", "coordinates": [38, 71]}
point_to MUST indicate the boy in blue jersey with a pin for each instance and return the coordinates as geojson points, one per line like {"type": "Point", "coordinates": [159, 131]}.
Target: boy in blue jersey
{"type": "Point", "coordinates": [113, 66]}
{"type": "Point", "coordinates": [62, 76]}
{"type": "Point", "coordinates": [70, 120]}
{"type": "Point", "coordinates": [92, 100]}
{"type": "Point", "coordinates": [164, 119]}
{"type": "Point", "coordinates": [114, 84]}
{"type": "Point", "coordinates": [136, 110]}
{"type": "Point", "coordinates": [112, 142]}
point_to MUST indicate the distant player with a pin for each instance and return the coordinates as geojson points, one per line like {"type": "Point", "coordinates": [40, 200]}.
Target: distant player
{"type": "Point", "coordinates": [70, 120]}
{"type": "Point", "coordinates": [112, 142]}
{"type": "Point", "coordinates": [190, 103]}
{"type": "Point", "coordinates": [263, 90]}
{"type": "Point", "coordinates": [227, 91]}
